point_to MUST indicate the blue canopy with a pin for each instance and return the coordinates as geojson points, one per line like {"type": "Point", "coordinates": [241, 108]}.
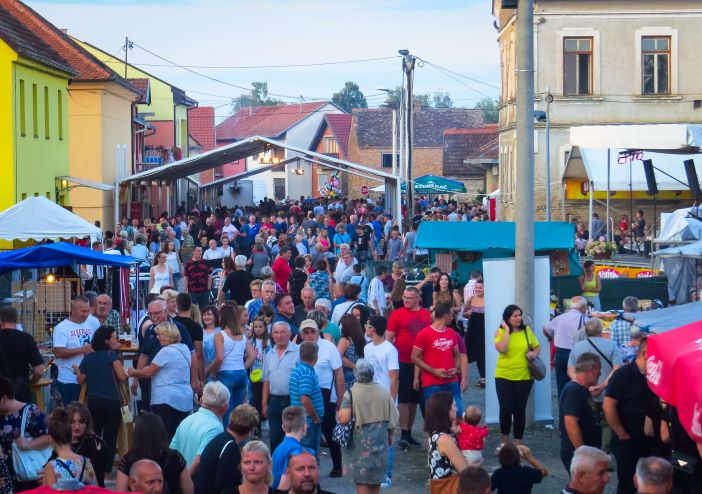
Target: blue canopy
{"type": "Point", "coordinates": [59, 254]}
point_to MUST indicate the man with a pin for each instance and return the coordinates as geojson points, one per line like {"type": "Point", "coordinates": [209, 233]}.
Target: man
{"type": "Point", "coordinates": [331, 379]}
{"type": "Point", "coordinates": [197, 278]}
{"type": "Point", "coordinates": [621, 329]}
{"type": "Point", "coordinates": [435, 352]}
{"type": "Point", "coordinates": [308, 296]}
{"type": "Point", "coordinates": [598, 226]}
{"type": "Point", "coordinates": [305, 392]}
{"type": "Point", "coordinates": [653, 476]}
{"type": "Point", "coordinates": [19, 355]}
{"type": "Point", "coordinates": [229, 230]}
{"type": "Point", "coordinates": [71, 339]}
{"type": "Point", "coordinates": [106, 315]}
{"type": "Point", "coordinates": [427, 287]}
{"type": "Point", "coordinates": [377, 300]}
{"type": "Point", "coordinates": [303, 474]}
{"type": "Point", "coordinates": [146, 477]}
{"type": "Point", "coordinates": [344, 268]}
{"type": "Point", "coordinates": [295, 427]}
{"type": "Point", "coordinates": [579, 420]}
{"type": "Point", "coordinates": [197, 430]}
{"type": "Point", "coordinates": [474, 480]}
{"type": "Point", "coordinates": [184, 305]}
{"type": "Point", "coordinates": [93, 276]}
{"type": "Point", "coordinates": [403, 326]}
{"type": "Point", "coordinates": [186, 246]}
{"type": "Point", "coordinates": [563, 331]}
{"type": "Point", "coordinates": [285, 312]}
{"type": "Point", "coordinates": [267, 297]}
{"type": "Point", "coordinates": [238, 283]}
{"type": "Point", "coordinates": [277, 366]}
{"type": "Point", "coordinates": [589, 472]}
{"type": "Point", "coordinates": [281, 267]}
{"type": "Point", "coordinates": [627, 400]}
{"type": "Point", "coordinates": [247, 235]}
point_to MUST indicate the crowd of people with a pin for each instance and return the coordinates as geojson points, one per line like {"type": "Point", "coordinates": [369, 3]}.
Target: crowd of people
{"type": "Point", "coordinates": [265, 325]}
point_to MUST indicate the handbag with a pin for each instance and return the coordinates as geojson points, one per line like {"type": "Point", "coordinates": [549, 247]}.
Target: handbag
{"type": "Point", "coordinates": [684, 462]}
{"type": "Point", "coordinates": [343, 433]}
{"type": "Point", "coordinates": [536, 366]}
{"type": "Point", "coordinates": [447, 485]}
{"type": "Point", "coordinates": [29, 462]}
{"type": "Point", "coordinates": [125, 408]}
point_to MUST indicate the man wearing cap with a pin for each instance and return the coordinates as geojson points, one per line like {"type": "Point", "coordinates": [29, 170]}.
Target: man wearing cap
{"type": "Point", "coordinates": [237, 284]}
{"type": "Point", "coordinates": [277, 365]}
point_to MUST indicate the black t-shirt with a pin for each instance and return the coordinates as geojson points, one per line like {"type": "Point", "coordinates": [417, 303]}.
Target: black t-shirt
{"type": "Point", "coordinates": [219, 466]}
{"type": "Point", "coordinates": [172, 464]}
{"type": "Point", "coordinates": [575, 400]}
{"type": "Point", "coordinates": [193, 328]}
{"type": "Point", "coordinates": [297, 281]}
{"type": "Point", "coordinates": [19, 355]}
{"type": "Point", "coordinates": [237, 284]}
{"type": "Point", "coordinates": [98, 370]}
{"type": "Point", "coordinates": [427, 292]}
{"type": "Point", "coordinates": [515, 480]}
{"type": "Point", "coordinates": [628, 386]}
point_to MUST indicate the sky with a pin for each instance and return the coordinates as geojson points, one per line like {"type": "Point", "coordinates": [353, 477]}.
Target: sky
{"type": "Point", "coordinates": [455, 35]}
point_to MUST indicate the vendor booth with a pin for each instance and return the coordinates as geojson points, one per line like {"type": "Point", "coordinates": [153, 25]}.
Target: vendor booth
{"type": "Point", "coordinates": [682, 265]}
{"type": "Point", "coordinates": [669, 318]}
{"type": "Point", "coordinates": [431, 184]}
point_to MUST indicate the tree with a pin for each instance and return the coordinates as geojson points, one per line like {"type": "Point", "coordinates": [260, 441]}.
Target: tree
{"type": "Point", "coordinates": [257, 97]}
{"type": "Point", "coordinates": [349, 97]}
{"type": "Point", "coordinates": [490, 109]}
{"type": "Point", "coordinates": [442, 99]}
{"type": "Point", "coordinates": [393, 98]}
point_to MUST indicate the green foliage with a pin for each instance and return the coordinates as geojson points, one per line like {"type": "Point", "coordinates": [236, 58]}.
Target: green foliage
{"type": "Point", "coordinates": [442, 99]}
{"type": "Point", "coordinates": [490, 109]}
{"type": "Point", "coordinates": [257, 97]}
{"type": "Point", "coordinates": [349, 97]}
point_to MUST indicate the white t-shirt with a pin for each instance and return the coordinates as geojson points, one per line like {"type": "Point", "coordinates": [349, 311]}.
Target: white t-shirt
{"type": "Point", "coordinates": [384, 358]}
{"type": "Point", "coordinates": [171, 384]}
{"type": "Point", "coordinates": [230, 230]}
{"type": "Point", "coordinates": [328, 361]}
{"type": "Point", "coordinates": [69, 335]}
{"type": "Point", "coordinates": [210, 254]}
{"type": "Point", "coordinates": [234, 353]}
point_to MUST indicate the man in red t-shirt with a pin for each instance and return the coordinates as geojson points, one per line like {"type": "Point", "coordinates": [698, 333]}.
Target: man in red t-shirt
{"type": "Point", "coordinates": [403, 326]}
{"type": "Point", "coordinates": [281, 268]}
{"type": "Point", "coordinates": [435, 352]}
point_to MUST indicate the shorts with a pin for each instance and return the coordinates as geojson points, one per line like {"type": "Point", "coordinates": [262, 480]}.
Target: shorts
{"type": "Point", "coordinates": [406, 393]}
{"type": "Point", "coordinates": [473, 456]}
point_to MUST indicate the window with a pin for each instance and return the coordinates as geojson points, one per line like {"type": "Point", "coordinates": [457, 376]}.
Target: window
{"type": "Point", "coordinates": [23, 109]}
{"type": "Point", "coordinates": [47, 125]}
{"type": "Point", "coordinates": [655, 65]}
{"type": "Point", "coordinates": [330, 146]}
{"type": "Point", "coordinates": [60, 115]}
{"type": "Point", "coordinates": [279, 188]}
{"type": "Point", "coordinates": [35, 109]}
{"type": "Point", "coordinates": [577, 66]}
{"type": "Point", "coordinates": [386, 161]}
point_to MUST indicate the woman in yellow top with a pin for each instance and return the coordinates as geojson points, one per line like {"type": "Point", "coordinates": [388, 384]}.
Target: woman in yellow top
{"type": "Point", "coordinates": [590, 285]}
{"type": "Point", "coordinates": [512, 378]}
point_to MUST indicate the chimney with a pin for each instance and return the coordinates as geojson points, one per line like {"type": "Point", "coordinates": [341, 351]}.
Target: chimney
{"type": "Point", "coordinates": [64, 30]}
{"type": "Point", "coordinates": [417, 105]}
{"type": "Point", "coordinates": [251, 110]}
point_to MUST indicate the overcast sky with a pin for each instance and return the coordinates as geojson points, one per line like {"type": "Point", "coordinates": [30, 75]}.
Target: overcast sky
{"type": "Point", "coordinates": [456, 35]}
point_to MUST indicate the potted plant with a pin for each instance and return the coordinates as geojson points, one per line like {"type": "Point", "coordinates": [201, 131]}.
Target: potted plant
{"type": "Point", "coordinates": [600, 249]}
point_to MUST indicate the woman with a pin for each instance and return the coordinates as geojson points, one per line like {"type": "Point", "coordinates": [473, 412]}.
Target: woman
{"type": "Point", "coordinates": [512, 378]}
{"type": "Point", "coordinates": [210, 328]}
{"type": "Point", "coordinates": [340, 237]}
{"type": "Point", "coordinates": [174, 263]}
{"type": "Point", "coordinates": [444, 293]}
{"type": "Point", "coordinates": [160, 274]}
{"type": "Point", "coordinates": [171, 296]}
{"type": "Point", "coordinates": [227, 250]}
{"type": "Point", "coordinates": [228, 267]}
{"type": "Point", "coordinates": [260, 341]}
{"type": "Point", "coordinates": [394, 246]}
{"type": "Point", "coordinates": [351, 294]}
{"type": "Point", "coordinates": [155, 242]}
{"type": "Point", "coordinates": [66, 465]}
{"type": "Point", "coordinates": [327, 329]}
{"type": "Point", "coordinates": [268, 314]}
{"type": "Point", "coordinates": [350, 346]}
{"type": "Point", "coordinates": [233, 356]}
{"type": "Point", "coordinates": [474, 312]}
{"type": "Point", "coordinates": [396, 284]}
{"type": "Point", "coordinates": [35, 432]}
{"type": "Point", "coordinates": [256, 470]}
{"type": "Point", "coordinates": [320, 280]}
{"type": "Point", "coordinates": [84, 442]}
{"type": "Point", "coordinates": [590, 285]}
{"type": "Point", "coordinates": [259, 258]}
{"type": "Point", "coordinates": [376, 416]}
{"type": "Point", "coordinates": [171, 393]}
{"type": "Point", "coordinates": [323, 238]}
{"type": "Point", "coordinates": [445, 458]}
{"type": "Point", "coordinates": [298, 279]}
{"type": "Point", "coordinates": [102, 371]}
{"type": "Point", "coordinates": [151, 442]}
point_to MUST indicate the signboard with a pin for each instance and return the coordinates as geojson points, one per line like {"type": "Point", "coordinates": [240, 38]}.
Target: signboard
{"type": "Point", "coordinates": [611, 272]}
{"type": "Point", "coordinates": [364, 190]}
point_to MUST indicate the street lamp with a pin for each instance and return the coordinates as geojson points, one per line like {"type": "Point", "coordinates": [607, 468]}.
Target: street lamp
{"type": "Point", "coordinates": [395, 168]}
{"type": "Point", "coordinates": [545, 116]}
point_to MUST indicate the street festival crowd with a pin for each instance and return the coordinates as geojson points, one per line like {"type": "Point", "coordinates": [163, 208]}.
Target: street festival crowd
{"type": "Point", "coordinates": [265, 320]}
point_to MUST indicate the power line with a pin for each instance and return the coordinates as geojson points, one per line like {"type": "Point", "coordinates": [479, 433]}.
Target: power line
{"type": "Point", "coordinates": [436, 67]}
{"type": "Point", "coordinates": [285, 66]}
{"type": "Point", "coordinates": [458, 74]}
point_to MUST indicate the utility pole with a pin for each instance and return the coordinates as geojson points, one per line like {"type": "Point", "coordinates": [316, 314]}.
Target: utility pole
{"type": "Point", "coordinates": [549, 100]}
{"type": "Point", "coordinates": [127, 46]}
{"type": "Point", "coordinates": [408, 63]}
{"type": "Point", "coordinates": [524, 201]}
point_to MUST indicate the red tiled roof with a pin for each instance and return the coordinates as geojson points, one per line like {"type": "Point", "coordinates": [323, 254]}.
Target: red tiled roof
{"type": "Point", "coordinates": [340, 125]}
{"type": "Point", "coordinates": [201, 126]}
{"type": "Point", "coordinates": [144, 88]}
{"type": "Point", "coordinates": [485, 129]}
{"type": "Point", "coordinates": [88, 67]}
{"type": "Point", "coordinates": [488, 151]}
{"type": "Point", "coordinates": [461, 144]}
{"type": "Point", "coordinates": [265, 121]}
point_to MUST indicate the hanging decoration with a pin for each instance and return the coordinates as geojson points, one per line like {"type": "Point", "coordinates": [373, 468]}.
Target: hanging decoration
{"type": "Point", "coordinates": [332, 187]}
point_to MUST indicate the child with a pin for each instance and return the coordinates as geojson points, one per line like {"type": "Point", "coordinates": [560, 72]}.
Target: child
{"type": "Point", "coordinates": [471, 438]}
{"type": "Point", "coordinates": [512, 478]}
{"type": "Point", "coordinates": [261, 342]}
{"type": "Point", "coordinates": [295, 428]}
{"type": "Point", "coordinates": [67, 465]}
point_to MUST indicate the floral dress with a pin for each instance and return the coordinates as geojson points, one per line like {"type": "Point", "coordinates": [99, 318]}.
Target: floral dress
{"type": "Point", "coordinates": [10, 428]}
{"type": "Point", "coordinates": [81, 470]}
{"type": "Point", "coordinates": [319, 281]}
{"type": "Point", "coordinates": [440, 467]}
{"type": "Point", "coordinates": [350, 353]}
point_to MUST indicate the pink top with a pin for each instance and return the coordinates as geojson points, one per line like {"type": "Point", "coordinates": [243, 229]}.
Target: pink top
{"type": "Point", "coordinates": [472, 437]}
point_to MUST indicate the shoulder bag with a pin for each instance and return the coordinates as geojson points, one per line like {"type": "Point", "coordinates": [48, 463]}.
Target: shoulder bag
{"type": "Point", "coordinates": [536, 366]}
{"type": "Point", "coordinates": [599, 351]}
{"type": "Point", "coordinates": [124, 401]}
{"type": "Point", "coordinates": [343, 433]}
{"type": "Point", "coordinates": [28, 462]}
{"type": "Point", "coordinates": [447, 485]}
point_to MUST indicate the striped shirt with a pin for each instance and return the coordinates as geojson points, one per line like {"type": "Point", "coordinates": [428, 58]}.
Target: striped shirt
{"type": "Point", "coordinates": [303, 381]}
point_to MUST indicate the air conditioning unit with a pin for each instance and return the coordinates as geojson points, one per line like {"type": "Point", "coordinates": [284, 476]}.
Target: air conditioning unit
{"type": "Point", "coordinates": [509, 4]}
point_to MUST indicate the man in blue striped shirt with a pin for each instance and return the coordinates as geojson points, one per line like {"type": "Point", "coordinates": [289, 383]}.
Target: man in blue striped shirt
{"type": "Point", "coordinates": [306, 392]}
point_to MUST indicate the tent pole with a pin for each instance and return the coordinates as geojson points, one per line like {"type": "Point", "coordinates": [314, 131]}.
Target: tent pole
{"type": "Point", "coordinates": [589, 227]}
{"type": "Point", "coordinates": [609, 233]}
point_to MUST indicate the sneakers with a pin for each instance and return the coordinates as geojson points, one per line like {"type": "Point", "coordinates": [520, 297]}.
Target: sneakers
{"type": "Point", "coordinates": [403, 444]}
{"type": "Point", "coordinates": [387, 483]}
{"type": "Point", "coordinates": [412, 441]}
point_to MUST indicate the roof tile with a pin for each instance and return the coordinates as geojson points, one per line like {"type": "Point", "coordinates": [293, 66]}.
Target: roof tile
{"type": "Point", "coordinates": [340, 125]}
{"type": "Point", "coordinates": [462, 144]}
{"type": "Point", "coordinates": [201, 126]}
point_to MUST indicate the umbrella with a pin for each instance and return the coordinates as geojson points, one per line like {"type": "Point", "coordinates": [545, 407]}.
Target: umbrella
{"type": "Point", "coordinates": [674, 373]}
{"type": "Point", "coordinates": [70, 485]}
{"type": "Point", "coordinates": [431, 184]}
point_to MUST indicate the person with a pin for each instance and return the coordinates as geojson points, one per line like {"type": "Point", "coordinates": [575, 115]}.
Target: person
{"type": "Point", "coordinates": [435, 353]}
{"type": "Point", "coordinates": [579, 421]}
{"type": "Point", "coordinates": [350, 346]}
{"type": "Point", "coordinates": [344, 268]}
{"type": "Point", "coordinates": [513, 382]}
{"type": "Point", "coordinates": [285, 311]}
{"type": "Point", "coordinates": [589, 471]}
{"type": "Point", "coordinates": [563, 331]}
{"type": "Point", "coordinates": [329, 370]}
{"type": "Point", "coordinates": [426, 286]}
{"type": "Point", "coordinates": [351, 294]}
{"type": "Point", "coordinates": [260, 341]}
{"type": "Point", "coordinates": [445, 458]}
{"type": "Point", "coordinates": [23, 365]}
{"type": "Point", "coordinates": [173, 260]}
{"type": "Point", "coordinates": [653, 476]}
{"type": "Point", "coordinates": [638, 230]}
{"type": "Point", "coordinates": [277, 367]}
{"type": "Point", "coordinates": [237, 284]}
{"type": "Point", "coordinates": [377, 299]}
{"type": "Point", "coordinates": [320, 280]}
{"type": "Point", "coordinates": [306, 304]}
{"type": "Point", "coordinates": [621, 329]}
{"type": "Point", "coordinates": [295, 428]}
{"type": "Point", "coordinates": [403, 326]}
{"type": "Point", "coordinates": [626, 403]}
{"type": "Point", "coordinates": [444, 293]}
{"type": "Point", "coordinates": [471, 436]}
{"type": "Point", "coordinates": [214, 252]}
{"type": "Point", "coordinates": [185, 308]}
{"type": "Point", "coordinates": [102, 371]}
{"type": "Point", "coordinates": [71, 340]}
{"type": "Point", "coordinates": [474, 310]}
{"type": "Point", "coordinates": [305, 392]}
{"type": "Point", "coordinates": [359, 278]}
{"type": "Point", "coordinates": [298, 281]}
{"type": "Point", "coordinates": [591, 285]}
{"type": "Point", "coordinates": [169, 371]}
{"type": "Point", "coordinates": [513, 478]}
{"type": "Point", "coordinates": [146, 477]}
{"type": "Point", "coordinates": [160, 274]}
{"type": "Point", "coordinates": [255, 469]}
{"type": "Point", "coordinates": [197, 278]}
{"type": "Point", "coordinates": [67, 464]}
{"type": "Point", "coordinates": [258, 260]}
{"type": "Point", "coordinates": [267, 297]}
{"type": "Point", "coordinates": [220, 459]}
{"type": "Point", "coordinates": [105, 314]}
{"type": "Point", "coordinates": [303, 473]}
{"type": "Point", "coordinates": [376, 417]}
{"type": "Point", "coordinates": [211, 327]}
{"type": "Point", "coordinates": [598, 226]}
{"type": "Point", "coordinates": [281, 267]}
{"type": "Point", "coordinates": [473, 480]}
{"type": "Point", "coordinates": [84, 442]}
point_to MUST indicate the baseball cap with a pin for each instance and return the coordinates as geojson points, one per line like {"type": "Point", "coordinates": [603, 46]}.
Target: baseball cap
{"type": "Point", "coordinates": [309, 323]}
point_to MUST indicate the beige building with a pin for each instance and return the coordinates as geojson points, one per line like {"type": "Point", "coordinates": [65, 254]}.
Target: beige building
{"type": "Point", "coordinates": [603, 62]}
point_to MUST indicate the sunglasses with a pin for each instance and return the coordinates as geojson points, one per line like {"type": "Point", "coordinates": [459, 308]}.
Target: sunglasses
{"type": "Point", "coordinates": [299, 451]}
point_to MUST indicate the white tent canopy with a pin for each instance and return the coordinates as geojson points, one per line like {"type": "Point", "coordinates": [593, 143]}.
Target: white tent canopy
{"type": "Point", "coordinates": [663, 137]}
{"type": "Point", "coordinates": [681, 226]}
{"type": "Point", "coordinates": [693, 250]}
{"type": "Point", "coordinates": [38, 218]}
